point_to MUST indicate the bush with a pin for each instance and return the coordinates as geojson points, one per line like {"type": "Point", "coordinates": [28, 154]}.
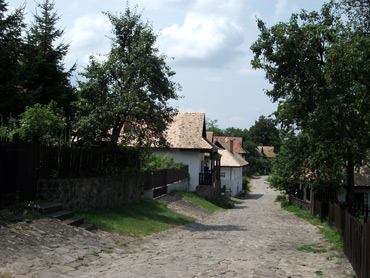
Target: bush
{"type": "Point", "coordinates": [246, 182]}
{"type": "Point", "coordinates": [225, 203]}
{"type": "Point", "coordinates": [280, 198]}
{"type": "Point", "coordinates": [284, 203]}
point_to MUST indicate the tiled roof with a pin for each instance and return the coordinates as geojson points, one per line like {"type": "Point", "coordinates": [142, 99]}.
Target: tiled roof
{"type": "Point", "coordinates": [187, 131]}
{"type": "Point", "coordinates": [229, 159]}
{"type": "Point", "coordinates": [238, 146]}
{"type": "Point", "coordinates": [267, 150]}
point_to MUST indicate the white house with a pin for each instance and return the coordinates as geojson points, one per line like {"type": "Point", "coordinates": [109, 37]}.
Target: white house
{"type": "Point", "coordinates": [186, 136]}
{"type": "Point", "coordinates": [232, 164]}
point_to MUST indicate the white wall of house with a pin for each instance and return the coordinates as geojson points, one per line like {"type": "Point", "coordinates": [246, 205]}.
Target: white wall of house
{"type": "Point", "coordinates": [232, 179]}
{"type": "Point", "coordinates": [191, 158]}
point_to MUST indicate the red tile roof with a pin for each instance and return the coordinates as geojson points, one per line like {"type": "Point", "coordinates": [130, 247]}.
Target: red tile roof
{"type": "Point", "coordinates": [238, 146]}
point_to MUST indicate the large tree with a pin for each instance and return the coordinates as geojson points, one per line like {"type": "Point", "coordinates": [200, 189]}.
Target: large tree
{"type": "Point", "coordinates": [45, 76]}
{"type": "Point", "coordinates": [312, 62]}
{"type": "Point", "coordinates": [12, 99]}
{"type": "Point", "coordinates": [264, 132]}
{"type": "Point", "coordinates": [125, 95]}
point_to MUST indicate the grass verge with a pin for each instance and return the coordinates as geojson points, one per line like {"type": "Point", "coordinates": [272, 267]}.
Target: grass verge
{"type": "Point", "coordinates": [136, 220]}
{"type": "Point", "coordinates": [329, 233]}
{"type": "Point", "coordinates": [197, 200]}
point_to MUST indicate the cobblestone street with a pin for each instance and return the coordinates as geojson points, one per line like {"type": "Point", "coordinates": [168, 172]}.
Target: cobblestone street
{"type": "Point", "coordinates": [256, 239]}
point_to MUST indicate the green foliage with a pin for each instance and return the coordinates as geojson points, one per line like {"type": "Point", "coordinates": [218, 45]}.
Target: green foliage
{"type": "Point", "coordinates": [212, 126]}
{"type": "Point", "coordinates": [12, 99]}
{"type": "Point", "coordinates": [42, 123]}
{"type": "Point", "coordinates": [45, 78]}
{"type": "Point", "coordinates": [136, 220]}
{"type": "Point", "coordinates": [246, 182]}
{"type": "Point", "coordinates": [224, 203]}
{"type": "Point", "coordinates": [125, 97]}
{"type": "Point", "coordinates": [319, 67]}
{"type": "Point", "coordinates": [264, 131]}
{"type": "Point", "coordinates": [197, 200]}
{"type": "Point", "coordinates": [156, 162]}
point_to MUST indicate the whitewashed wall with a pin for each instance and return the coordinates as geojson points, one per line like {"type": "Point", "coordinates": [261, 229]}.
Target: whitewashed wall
{"type": "Point", "coordinates": [233, 179]}
{"type": "Point", "coordinates": [191, 158]}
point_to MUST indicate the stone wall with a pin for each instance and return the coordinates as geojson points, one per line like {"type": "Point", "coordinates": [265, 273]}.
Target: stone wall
{"type": "Point", "coordinates": [92, 193]}
{"type": "Point", "coordinates": [208, 192]}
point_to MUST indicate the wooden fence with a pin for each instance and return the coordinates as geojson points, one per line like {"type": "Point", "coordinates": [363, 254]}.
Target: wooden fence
{"type": "Point", "coordinates": [23, 164]}
{"type": "Point", "coordinates": [356, 238]}
{"type": "Point", "coordinates": [159, 179]}
{"type": "Point", "coordinates": [300, 203]}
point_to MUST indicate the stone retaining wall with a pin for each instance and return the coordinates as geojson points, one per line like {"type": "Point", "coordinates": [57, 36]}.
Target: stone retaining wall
{"type": "Point", "coordinates": [92, 193]}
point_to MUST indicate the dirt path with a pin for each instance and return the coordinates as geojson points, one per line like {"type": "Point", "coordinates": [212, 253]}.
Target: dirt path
{"type": "Point", "coordinates": [256, 239]}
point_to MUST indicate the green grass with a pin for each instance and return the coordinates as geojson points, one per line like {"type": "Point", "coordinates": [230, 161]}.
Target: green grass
{"type": "Point", "coordinates": [329, 233]}
{"type": "Point", "coordinates": [319, 273]}
{"type": "Point", "coordinates": [313, 248]}
{"type": "Point", "coordinates": [197, 200]}
{"type": "Point", "coordinates": [136, 220]}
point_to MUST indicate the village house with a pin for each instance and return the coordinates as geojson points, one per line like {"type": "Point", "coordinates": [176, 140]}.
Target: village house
{"type": "Point", "coordinates": [188, 144]}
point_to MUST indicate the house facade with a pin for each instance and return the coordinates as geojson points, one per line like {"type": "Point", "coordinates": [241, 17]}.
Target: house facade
{"type": "Point", "coordinates": [237, 146]}
{"type": "Point", "coordinates": [267, 153]}
{"type": "Point", "coordinates": [188, 144]}
{"type": "Point", "coordinates": [232, 163]}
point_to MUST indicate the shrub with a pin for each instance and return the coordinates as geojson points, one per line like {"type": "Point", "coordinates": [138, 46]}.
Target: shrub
{"type": "Point", "coordinates": [225, 203]}
{"type": "Point", "coordinates": [246, 182]}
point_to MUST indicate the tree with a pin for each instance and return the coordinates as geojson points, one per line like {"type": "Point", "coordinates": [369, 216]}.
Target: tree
{"type": "Point", "coordinates": [129, 90]}
{"type": "Point", "coordinates": [313, 62]}
{"type": "Point", "coordinates": [45, 77]}
{"type": "Point", "coordinates": [265, 132]}
{"type": "Point", "coordinates": [41, 123]}
{"type": "Point", "coordinates": [212, 126]}
{"type": "Point", "coordinates": [12, 98]}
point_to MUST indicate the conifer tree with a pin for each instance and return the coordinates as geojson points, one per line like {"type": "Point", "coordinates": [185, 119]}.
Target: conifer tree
{"type": "Point", "coordinates": [11, 44]}
{"type": "Point", "coordinates": [44, 73]}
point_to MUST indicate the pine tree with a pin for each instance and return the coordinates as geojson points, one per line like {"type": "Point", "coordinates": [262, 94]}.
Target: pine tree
{"type": "Point", "coordinates": [44, 73]}
{"type": "Point", "coordinates": [11, 43]}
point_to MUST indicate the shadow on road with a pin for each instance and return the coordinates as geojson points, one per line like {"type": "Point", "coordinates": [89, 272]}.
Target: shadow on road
{"type": "Point", "coordinates": [240, 207]}
{"type": "Point", "coordinates": [253, 196]}
{"type": "Point", "coordinates": [199, 227]}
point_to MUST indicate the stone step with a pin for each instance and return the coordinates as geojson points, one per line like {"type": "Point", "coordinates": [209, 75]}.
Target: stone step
{"type": "Point", "coordinates": [87, 226]}
{"type": "Point", "coordinates": [62, 214]}
{"type": "Point", "coordinates": [48, 208]}
{"type": "Point", "coordinates": [74, 221]}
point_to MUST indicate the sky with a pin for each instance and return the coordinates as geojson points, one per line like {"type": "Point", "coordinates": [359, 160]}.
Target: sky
{"type": "Point", "coordinates": [208, 42]}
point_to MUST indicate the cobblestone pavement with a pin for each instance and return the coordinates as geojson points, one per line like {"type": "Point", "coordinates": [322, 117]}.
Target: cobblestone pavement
{"type": "Point", "coordinates": [256, 239]}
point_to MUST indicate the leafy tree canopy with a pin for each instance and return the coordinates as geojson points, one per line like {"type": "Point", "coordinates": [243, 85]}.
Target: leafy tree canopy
{"type": "Point", "coordinates": [125, 95]}
{"type": "Point", "coordinates": [264, 132]}
{"type": "Point", "coordinates": [318, 66]}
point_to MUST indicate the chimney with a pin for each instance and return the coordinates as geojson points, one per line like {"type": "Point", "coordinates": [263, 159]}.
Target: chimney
{"type": "Point", "coordinates": [231, 146]}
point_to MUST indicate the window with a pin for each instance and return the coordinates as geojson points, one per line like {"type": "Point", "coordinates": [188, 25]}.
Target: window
{"type": "Point", "coordinates": [222, 174]}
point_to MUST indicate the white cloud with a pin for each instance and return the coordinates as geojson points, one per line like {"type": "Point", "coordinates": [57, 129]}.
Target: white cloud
{"type": "Point", "coordinates": [88, 36]}
{"type": "Point", "coordinates": [211, 33]}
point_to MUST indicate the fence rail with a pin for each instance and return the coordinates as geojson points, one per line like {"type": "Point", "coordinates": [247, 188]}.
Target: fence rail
{"type": "Point", "coordinates": [160, 178]}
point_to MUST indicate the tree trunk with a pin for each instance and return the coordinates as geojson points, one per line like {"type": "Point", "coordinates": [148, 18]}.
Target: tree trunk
{"type": "Point", "coordinates": [116, 132]}
{"type": "Point", "coordinates": [350, 171]}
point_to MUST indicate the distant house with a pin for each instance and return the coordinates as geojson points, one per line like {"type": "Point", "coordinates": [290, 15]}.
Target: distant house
{"type": "Point", "coordinates": [267, 152]}
{"type": "Point", "coordinates": [362, 188]}
{"type": "Point", "coordinates": [188, 143]}
{"type": "Point", "coordinates": [237, 146]}
{"type": "Point", "coordinates": [232, 163]}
